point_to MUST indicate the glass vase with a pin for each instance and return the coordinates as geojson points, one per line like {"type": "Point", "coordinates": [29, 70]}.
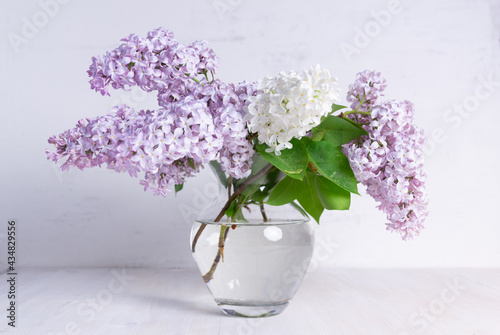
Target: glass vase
{"type": "Point", "coordinates": [253, 261]}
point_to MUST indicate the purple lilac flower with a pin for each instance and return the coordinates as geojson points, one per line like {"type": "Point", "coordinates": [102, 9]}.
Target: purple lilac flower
{"type": "Point", "coordinates": [200, 119]}
{"type": "Point", "coordinates": [365, 92]}
{"type": "Point", "coordinates": [155, 63]}
{"type": "Point", "coordinates": [168, 145]}
{"type": "Point", "coordinates": [227, 107]}
{"type": "Point", "coordinates": [389, 161]}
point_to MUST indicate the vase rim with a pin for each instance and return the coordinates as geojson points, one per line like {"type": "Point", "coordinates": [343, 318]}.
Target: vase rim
{"type": "Point", "coordinates": [259, 223]}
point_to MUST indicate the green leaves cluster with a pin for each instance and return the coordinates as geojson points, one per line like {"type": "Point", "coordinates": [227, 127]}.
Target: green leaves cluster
{"type": "Point", "coordinates": [314, 172]}
{"type": "Point", "coordinates": [318, 174]}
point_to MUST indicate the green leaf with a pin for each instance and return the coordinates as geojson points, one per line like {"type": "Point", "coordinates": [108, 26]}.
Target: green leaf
{"type": "Point", "coordinates": [300, 209]}
{"type": "Point", "coordinates": [272, 178]}
{"type": "Point", "coordinates": [337, 107]}
{"type": "Point", "coordinates": [285, 192]}
{"type": "Point", "coordinates": [259, 196]}
{"type": "Point", "coordinates": [338, 131]}
{"type": "Point", "coordinates": [309, 199]}
{"type": "Point", "coordinates": [306, 140]}
{"type": "Point", "coordinates": [230, 210]}
{"type": "Point", "coordinates": [331, 195]}
{"type": "Point", "coordinates": [234, 212]}
{"type": "Point", "coordinates": [249, 192]}
{"type": "Point", "coordinates": [220, 174]}
{"type": "Point", "coordinates": [190, 162]}
{"type": "Point", "coordinates": [238, 216]}
{"type": "Point", "coordinates": [318, 136]}
{"type": "Point", "coordinates": [331, 163]}
{"type": "Point", "coordinates": [178, 187]}
{"type": "Point", "coordinates": [250, 189]}
{"type": "Point", "coordinates": [292, 161]}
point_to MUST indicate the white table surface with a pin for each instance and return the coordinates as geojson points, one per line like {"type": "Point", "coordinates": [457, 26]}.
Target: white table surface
{"type": "Point", "coordinates": [330, 301]}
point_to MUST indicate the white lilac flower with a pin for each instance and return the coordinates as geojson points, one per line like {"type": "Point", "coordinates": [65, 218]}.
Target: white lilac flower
{"type": "Point", "coordinates": [290, 105]}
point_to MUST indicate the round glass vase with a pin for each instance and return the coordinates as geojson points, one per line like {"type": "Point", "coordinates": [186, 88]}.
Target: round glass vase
{"type": "Point", "coordinates": [252, 262]}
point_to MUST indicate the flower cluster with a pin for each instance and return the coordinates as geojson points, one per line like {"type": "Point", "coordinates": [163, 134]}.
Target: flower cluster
{"type": "Point", "coordinates": [156, 63]}
{"type": "Point", "coordinates": [237, 150]}
{"type": "Point", "coordinates": [167, 144]}
{"type": "Point", "coordinates": [390, 160]}
{"type": "Point", "coordinates": [290, 105]}
{"type": "Point", "coordinates": [366, 91]}
{"type": "Point", "coordinates": [199, 120]}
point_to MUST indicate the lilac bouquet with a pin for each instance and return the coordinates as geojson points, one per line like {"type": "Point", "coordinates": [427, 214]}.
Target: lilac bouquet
{"type": "Point", "coordinates": [316, 150]}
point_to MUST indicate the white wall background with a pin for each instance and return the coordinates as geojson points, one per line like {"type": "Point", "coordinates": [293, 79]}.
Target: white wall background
{"type": "Point", "coordinates": [436, 53]}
